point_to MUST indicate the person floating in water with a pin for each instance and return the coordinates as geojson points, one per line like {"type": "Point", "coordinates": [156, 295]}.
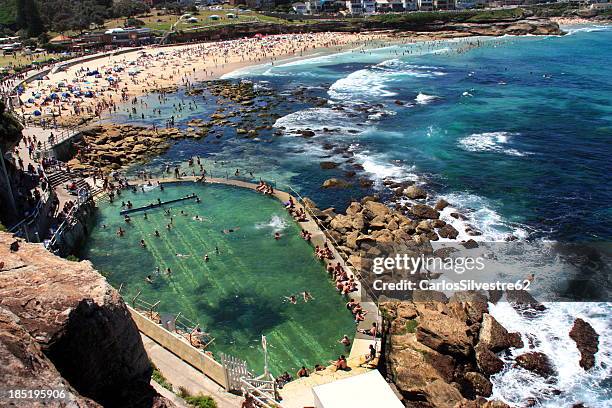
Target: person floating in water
{"type": "Point", "coordinates": [206, 258]}
{"type": "Point", "coordinates": [277, 235]}
{"type": "Point", "coordinates": [120, 232]}
{"type": "Point", "coordinates": [292, 299]}
{"type": "Point", "coordinates": [156, 233]}
{"type": "Point", "coordinates": [149, 279]}
{"type": "Point", "coordinates": [345, 341]}
{"type": "Point", "coordinates": [142, 243]}
{"type": "Point", "coordinates": [307, 296]}
{"type": "Point", "coordinates": [127, 219]}
{"type": "Point", "coordinates": [146, 217]}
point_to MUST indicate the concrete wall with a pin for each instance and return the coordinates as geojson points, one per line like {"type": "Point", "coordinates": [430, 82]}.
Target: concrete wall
{"type": "Point", "coordinates": [175, 344]}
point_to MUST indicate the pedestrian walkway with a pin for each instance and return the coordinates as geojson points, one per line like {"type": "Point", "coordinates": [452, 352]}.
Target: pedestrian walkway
{"type": "Point", "coordinates": [181, 374]}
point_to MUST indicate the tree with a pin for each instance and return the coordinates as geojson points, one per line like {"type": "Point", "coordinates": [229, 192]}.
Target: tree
{"type": "Point", "coordinates": [129, 8]}
{"type": "Point", "coordinates": [28, 18]}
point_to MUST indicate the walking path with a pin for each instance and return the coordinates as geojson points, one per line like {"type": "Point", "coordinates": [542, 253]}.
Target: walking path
{"type": "Point", "coordinates": [181, 374]}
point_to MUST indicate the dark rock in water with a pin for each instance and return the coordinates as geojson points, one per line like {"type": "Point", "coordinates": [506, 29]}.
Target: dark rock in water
{"type": "Point", "coordinates": [441, 204]}
{"type": "Point", "coordinates": [458, 216]}
{"type": "Point", "coordinates": [495, 296]}
{"type": "Point", "coordinates": [357, 166]}
{"type": "Point", "coordinates": [349, 174]}
{"type": "Point", "coordinates": [523, 302]}
{"type": "Point", "coordinates": [328, 165]}
{"type": "Point", "coordinates": [487, 361]}
{"type": "Point", "coordinates": [495, 336]}
{"type": "Point", "coordinates": [306, 133]}
{"type": "Point", "coordinates": [587, 341]}
{"type": "Point", "coordinates": [335, 183]}
{"type": "Point", "coordinates": [511, 238]}
{"type": "Point", "coordinates": [470, 244]}
{"type": "Point", "coordinates": [414, 192]}
{"type": "Point", "coordinates": [398, 102]}
{"type": "Point", "coordinates": [448, 231]}
{"type": "Point", "coordinates": [475, 384]}
{"type": "Point", "coordinates": [328, 146]}
{"type": "Point", "coordinates": [364, 183]}
{"type": "Point", "coordinates": [536, 362]}
{"type": "Point", "coordinates": [353, 130]}
{"type": "Point", "coordinates": [424, 211]}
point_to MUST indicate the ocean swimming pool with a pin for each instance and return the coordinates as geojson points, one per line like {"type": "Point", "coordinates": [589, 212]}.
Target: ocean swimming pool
{"type": "Point", "coordinates": [238, 294]}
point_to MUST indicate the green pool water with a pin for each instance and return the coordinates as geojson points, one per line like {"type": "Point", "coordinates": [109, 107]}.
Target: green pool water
{"type": "Point", "coordinates": [237, 295]}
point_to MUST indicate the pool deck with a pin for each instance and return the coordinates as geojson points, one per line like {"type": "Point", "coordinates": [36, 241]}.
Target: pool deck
{"type": "Point", "coordinates": [298, 393]}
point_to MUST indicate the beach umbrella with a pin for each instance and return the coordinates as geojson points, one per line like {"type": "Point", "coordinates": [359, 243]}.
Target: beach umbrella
{"type": "Point", "coordinates": [37, 113]}
{"type": "Point", "coordinates": [31, 100]}
{"type": "Point", "coordinates": [89, 94]}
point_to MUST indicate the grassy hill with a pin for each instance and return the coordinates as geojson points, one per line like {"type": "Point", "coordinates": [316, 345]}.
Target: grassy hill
{"type": "Point", "coordinates": [8, 10]}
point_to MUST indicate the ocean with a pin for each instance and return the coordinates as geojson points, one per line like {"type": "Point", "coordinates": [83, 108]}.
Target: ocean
{"type": "Point", "coordinates": [514, 132]}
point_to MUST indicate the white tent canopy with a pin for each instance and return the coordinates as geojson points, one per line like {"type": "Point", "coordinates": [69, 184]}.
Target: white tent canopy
{"type": "Point", "coordinates": [361, 391]}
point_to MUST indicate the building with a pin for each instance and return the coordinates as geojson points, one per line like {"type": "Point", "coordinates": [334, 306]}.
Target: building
{"type": "Point", "coordinates": [465, 4]}
{"type": "Point", "coordinates": [444, 4]}
{"type": "Point", "coordinates": [299, 8]}
{"type": "Point", "coordinates": [410, 5]}
{"type": "Point", "coordinates": [385, 6]}
{"type": "Point", "coordinates": [425, 5]}
{"type": "Point", "coordinates": [359, 7]}
{"type": "Point", "coordinates": [124, 37]}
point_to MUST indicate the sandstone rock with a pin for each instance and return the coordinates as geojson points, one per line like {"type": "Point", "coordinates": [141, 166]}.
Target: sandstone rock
{"type": "Point", "coordinates": [487, 361]}
{"type": "Point", "coordinates": [374, 209]}
{"type": "Point", "coordinates": [495, 337]}
{"type": "Point", "coordinates": [442, 395]}
{"type": "Point", "coordinates": [444, 334]}
{"type": "Point", "coordinates": [587, 341]}
{"type": "Point", "coordinates": [477, 384]}
{"type": "Point", "coordinates": [536, 362]}
{"type": "Point", "coordinates": [448, 231]}
{"type": "Point", "coordinates": [328, 165]}
{"type": "Point", "coordinates": [441, 204]}
{"type": "Point", "coordinates": [414, 192]}
{"type": "Point", "coordinates": [79, 321]}
{"type": "Point", "coordinates": [353, 208]}
{"type": "Point", "coordinates": [342, 223]}
{"type": "Point", "coordinates": [335, 183]}
{"type": "Point", "coordinates": [424, 211]}
{"type": "Point", "coordinates": [24, 366]}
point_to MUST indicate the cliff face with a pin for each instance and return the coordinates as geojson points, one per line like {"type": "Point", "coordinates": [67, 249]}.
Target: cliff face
{"type": "Point", "coordinates": [63, 319]}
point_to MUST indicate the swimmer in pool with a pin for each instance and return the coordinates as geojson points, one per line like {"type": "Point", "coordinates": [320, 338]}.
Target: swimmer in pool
{"type": "Point", "coordinates": [206, 258]}
{"type": "Point", "coordinates": [149, 279]}
{"type": "Point", "coordinates": [146, 217]}
{"type": "Point", "coordinates": [169, 227]}
{"type": "Point", "coordinates": [156, 233]}
{"type": "Point", "coordinates": [168, 271]}
{"type": "Point", "coordinates": [292, 299]}
{"type": "Point", "coordinates": [120, 232]}
{"type": "Point", "coordinates": [307, 296]}
{"type": "Point", "coordinates": [142, 243]}
{"type": "Point", "coordinates": [277, 235]}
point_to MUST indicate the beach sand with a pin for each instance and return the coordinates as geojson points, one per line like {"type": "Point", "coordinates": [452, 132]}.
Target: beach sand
{"type": "Point", "coordinates": [163, 69]}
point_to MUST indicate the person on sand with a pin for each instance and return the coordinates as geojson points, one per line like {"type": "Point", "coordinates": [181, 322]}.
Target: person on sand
{"type": "Point", "coordinates": [302, 372]}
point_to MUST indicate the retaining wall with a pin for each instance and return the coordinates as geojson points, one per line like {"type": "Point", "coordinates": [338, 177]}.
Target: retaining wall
{"type": "Point", "coordinates": [175, 344]}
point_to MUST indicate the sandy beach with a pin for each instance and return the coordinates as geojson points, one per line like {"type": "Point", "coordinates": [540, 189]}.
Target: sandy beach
{"type": "Point", "coordinates": [95, 87]}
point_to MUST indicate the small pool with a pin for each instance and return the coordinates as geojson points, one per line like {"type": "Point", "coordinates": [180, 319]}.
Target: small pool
{"type": "Point", "coordinates": [238, 294]}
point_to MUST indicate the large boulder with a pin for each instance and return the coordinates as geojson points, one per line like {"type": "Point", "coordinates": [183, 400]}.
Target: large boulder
{"type": "Point", "coordinates": [488, 363]}
{"type": "Point", "coordinates": [80, 323]}
{"type": "Point", "coordinates": [448, 231]}
{"type": "Point", "coordinates": [375, 209]}
{"type": "Point", "coordinates": [341, 223]}
{"type": "Point", "coordinates": [335, 183]}
{"type": "Point", "coordinates": [476, 384]}
{"type": "Point", "coordinates": [414, 192]}
{"type": "Point", "coordinates": [444, 334]}
{"type": "Point", "coordinates": [495, 337]}
{"type": "Point", "coordinates": [587, 340]}
{"type": "Point", "coordinates": [424, 212]}
{"type": "Point", "coordinates": [536, 362]}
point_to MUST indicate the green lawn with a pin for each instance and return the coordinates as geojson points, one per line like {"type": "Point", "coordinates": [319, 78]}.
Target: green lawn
{"type": "Point", "coordinates": [20, 60]}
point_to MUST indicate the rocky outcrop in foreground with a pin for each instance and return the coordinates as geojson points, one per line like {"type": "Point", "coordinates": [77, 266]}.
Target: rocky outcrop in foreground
{"type": "Point", "coordinates": [440, 354]}
{"type": "Point", "coordinates": [63, 326]}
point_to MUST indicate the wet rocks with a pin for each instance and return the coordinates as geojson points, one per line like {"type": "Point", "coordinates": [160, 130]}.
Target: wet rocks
{"type": "Point", "coordinates": [587, 341]}
{"type": "Point", "coordinates": [444, 334]}
{"type": "Point", "coordinates": [328, 165]}
{"type": "Point", "coordinates": [414, 193]}
{"type": "Point", "coordinates": [495, 337]}
{"type": "Point", "coordinates": [441, 204]}
{"type": "Point", "coordinates": [448, 231]}
{"type": "Point", "coordinates": [536, 362]}
{"type": "Point", "coordinates": [424, 211]}
{"type": "Point", "coordinates": [335, 183]}
{"type": "Point", "coordinates": [488, 363]}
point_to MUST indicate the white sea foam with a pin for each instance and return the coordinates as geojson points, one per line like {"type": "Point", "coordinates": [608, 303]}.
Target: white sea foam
{"type": "Point", "coordinates": [480, 216]}
{"type": "Point", "coordinates": [276, 224]}
{"type": "Point", "coordinates": [380, 167]}
{"type": "Point", "coordinates": [490, 142]}
{"type": "Point", "coordinates": [424, 99]}
{"type": "Point", "coordinates": [550, 335]}
{"type": "Point", "coordinates": [317, 119]}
